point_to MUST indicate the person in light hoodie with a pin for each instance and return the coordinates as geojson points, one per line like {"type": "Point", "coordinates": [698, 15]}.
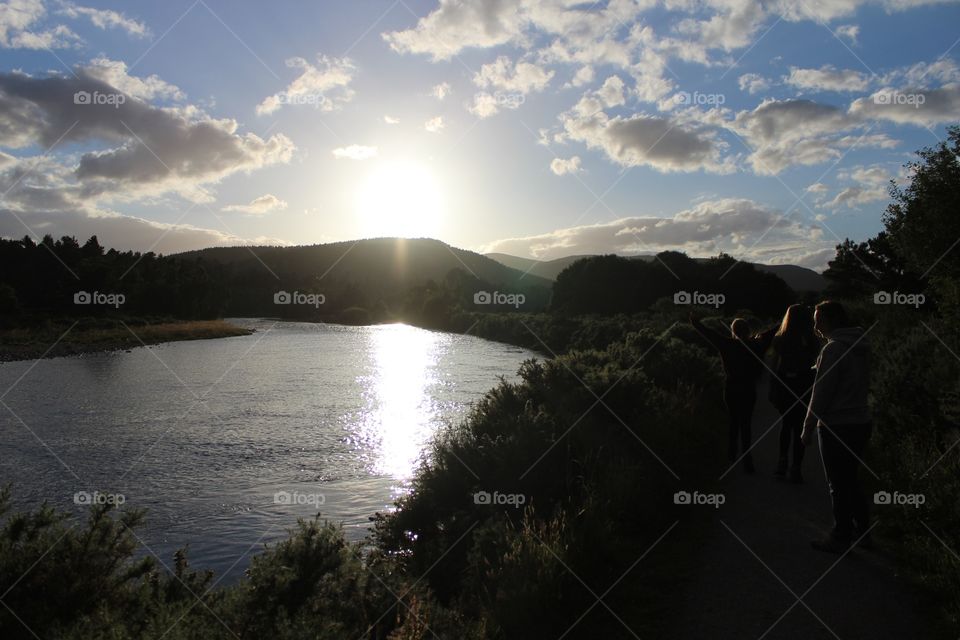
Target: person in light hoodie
{"type": "Point", "coordinates": [839, 414]}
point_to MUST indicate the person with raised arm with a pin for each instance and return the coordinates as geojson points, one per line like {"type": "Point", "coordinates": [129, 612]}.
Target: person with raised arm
{"type": "Point", "coordinates": [741, 354]}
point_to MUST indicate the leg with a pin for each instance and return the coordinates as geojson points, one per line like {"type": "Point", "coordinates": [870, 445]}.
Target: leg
{"type": "Point", "coordinates": [748, 400]}
{"type": "Point", "coordinates": [840, 462]}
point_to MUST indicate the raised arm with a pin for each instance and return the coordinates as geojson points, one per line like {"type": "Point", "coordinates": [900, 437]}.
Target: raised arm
{"type": "Point", "coordinates": [711, 336]}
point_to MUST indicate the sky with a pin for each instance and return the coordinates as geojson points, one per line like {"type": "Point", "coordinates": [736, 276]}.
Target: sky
{"type": "Point", "coordinates": [541, 128]}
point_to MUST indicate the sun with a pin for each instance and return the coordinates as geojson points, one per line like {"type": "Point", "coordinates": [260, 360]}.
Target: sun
{"type": "Point", "coordinates": [400, 198]}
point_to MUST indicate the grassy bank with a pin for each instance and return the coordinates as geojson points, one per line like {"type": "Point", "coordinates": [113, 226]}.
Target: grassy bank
{"type": "Point", "coordinates": [66, 337]}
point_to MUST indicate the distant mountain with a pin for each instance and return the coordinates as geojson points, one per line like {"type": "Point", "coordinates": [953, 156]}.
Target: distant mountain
{"type": "Point", "coordinates": [798, 278]}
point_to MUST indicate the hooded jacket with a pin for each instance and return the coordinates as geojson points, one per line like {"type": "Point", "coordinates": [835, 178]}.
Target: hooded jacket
{"type": "Point", "coordinates": [843, 380]}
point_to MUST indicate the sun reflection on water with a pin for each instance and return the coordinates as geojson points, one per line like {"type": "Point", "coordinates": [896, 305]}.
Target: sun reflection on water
{"type": "Point", "coordinates": [401, 416]}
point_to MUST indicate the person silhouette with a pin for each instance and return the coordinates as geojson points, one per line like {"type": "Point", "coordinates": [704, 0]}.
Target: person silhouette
{"type": "Point", "coordinates": [741, 354]}
{"type": "Point", "coordinates": [839, 414]}
{"type": "Point", "coordinates": [795, 349]}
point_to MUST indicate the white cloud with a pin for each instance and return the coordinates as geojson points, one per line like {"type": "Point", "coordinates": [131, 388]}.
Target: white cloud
{"type": "Point", "coordinates": [561, 166]}
{"type": "Point", "coordinates": [827, 78]}
{"type": "Point", "coordinates": [849, 31]}
{"type": "Point", "coordinates": [459, 24]}
{"type": "Point", "coordinates": [355, 152]}
{"type": "Point", "coordinates": [115, 74]}
{"type": "Point", "coordinates": [922, 107]}
{"type": "Point", "coordinates": [266, 203]}
{"type": "Point", "coordinates": [870, 184]}
{"type": "Point", "coordinates": [520, 77]}
{"type": "Point", "coordinates": [783, 133]}
{"type": "Point", "coordinates": [583, 76]}
{"type": "Point", "coordinates": [132, 150]}
{"type": "Point", "coordinates": [753, 83]}
{"type": "Point", "coordinates": [391, 120]}
{"type": "Point", "coordinates": [434, 125]}
{"type": "Point", "coordinates": [611, 92]}
{"type": "Point", "coordinates": [441, 90]}
{"type": "Point", "coordinates": [485, 105]}
{"type": "Point", "coordinates": [106, 19]}
{"type": "Point", "coordinates": [740, 227]}
{"type": "Point", "coordinates": [325, 86]}
{"type": "Point", "coordinates": [18, 22]}
{"type": "Point", "coordinates": [662, 143]}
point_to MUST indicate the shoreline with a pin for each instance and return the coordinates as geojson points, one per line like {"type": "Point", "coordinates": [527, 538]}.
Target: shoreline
{"type": "Point", "coordinates": [62, 339]}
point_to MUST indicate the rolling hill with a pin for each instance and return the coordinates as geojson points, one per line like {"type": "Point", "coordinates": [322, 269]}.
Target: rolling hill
{"type": "Point", "coordinates": [798, 278]}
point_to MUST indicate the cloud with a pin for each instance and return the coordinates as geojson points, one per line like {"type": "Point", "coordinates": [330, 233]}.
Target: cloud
{"type": "Point", "coordinates": [783, 133]}
{"type": "Point", "coordinates": [849, 31]}
{"type": "Point", "coordinates": [662, 143]}
{"type": "Point", "coordinates": [441, 90]}
{"type": "Point", "coordinates": [115, 74]}
{"type": "Point", "coordinates": [106, 19]}
{"type": "Point", "coordinates": [753, 83]}
{"type": "Point", "coordinates": [561, 166]}
{"type": "Point", "coordinates": [434, 125]}
{"type": "Point", "coordinates": [459, 24]}
{"type": "Point", "coordinates": [131, 150]}
{"type": "Point", "coordinates": [325, 86]}
{"type": "Point", "coordinates": [871, 184]}
{"type": "Point", "coordinates": [486, 105]}
{"type": "Point", "coordinates": [740, 227]}
{"type": "Point", "coordinates": [355, 152]}
{"type": "Point", "coordinates": [922, 107]}
{"type": "Point", "coordinates": [583, 76]}
{"type": "Point", "coordinates": [18, 18]}
{"type": "Point", "coordinates": [266, 203]}
{"type": "Point", "coordinates": [520, 77]}
{"type": "Point", "coordinates": [827, 78]}
{"type": "Point", "coordinates": [391, 120]}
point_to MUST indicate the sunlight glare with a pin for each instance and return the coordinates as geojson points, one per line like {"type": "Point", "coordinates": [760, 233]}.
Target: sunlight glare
{"type": "Point", "coordinates": [401, 199]}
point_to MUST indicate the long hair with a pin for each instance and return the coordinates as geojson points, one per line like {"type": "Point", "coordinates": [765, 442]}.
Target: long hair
{"type": "Point", "coordinates": [797, 324]}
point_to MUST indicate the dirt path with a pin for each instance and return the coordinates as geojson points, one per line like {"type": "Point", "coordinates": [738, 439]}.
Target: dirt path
{"type": "Point", "coordinates": [757, 552]}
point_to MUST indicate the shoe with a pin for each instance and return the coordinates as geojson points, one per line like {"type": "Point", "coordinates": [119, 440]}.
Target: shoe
{"type": "Point", "coordinates": [781, 468]}
{"type": "Point", "coordinates": [830, 545]}
{"type": "Point", "coordinates": [795, 476]}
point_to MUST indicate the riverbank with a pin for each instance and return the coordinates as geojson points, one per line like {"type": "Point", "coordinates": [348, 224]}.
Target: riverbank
{"type": "Point", "coordinates": [57, 338]}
